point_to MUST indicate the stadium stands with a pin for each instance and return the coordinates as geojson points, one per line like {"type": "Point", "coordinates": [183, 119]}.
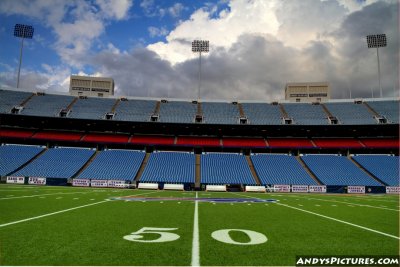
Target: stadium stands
{"type": "Point", "coordinates": [135, 110]}
{"type": "Point", "coordinates": [351, 113]}
{"type": "Point", "coordinates": [114, 165]}
{"type": "Point", "coordinates": [9, 99]}
{"type": "Point", "coordinates": [262, 114]}
{"type": "Point", "coordinates": [306, 114]}
{"type": "Point", "coordinates": [337, 170]}
{"type": "Point", "coordinates": [384, 167]}
{"type": "Point", "coordinates": [388, 109]}
{"type": "Point", "coordinates": [91, 108]}
{"type": "Point", "coordinates": [46, 105]}
{"type": "Point", "coordinates": [14, 156]}
{"type": "Point", "coordinates": [59, 162]}
{"type": "Point", "coordinates": [218, 168]}
{"type": "Point", "coordinates": [280, 169]}
{"type": "Point", "coordinates": [170, 167]}
{"type": "Point", "coordinates": [220, 113]}
{"type": "Point", "coordinates": [177, 112]}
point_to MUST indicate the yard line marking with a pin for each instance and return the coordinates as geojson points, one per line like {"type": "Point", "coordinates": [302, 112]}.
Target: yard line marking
{"type": "Point", "coordinates": [337, 220]}
{"type": "Point", "coordinates": [4, 198]}
{"type": "Point", "coordinates": [195, 244]}
{"type": "Point", "coordinates": [60, 211]}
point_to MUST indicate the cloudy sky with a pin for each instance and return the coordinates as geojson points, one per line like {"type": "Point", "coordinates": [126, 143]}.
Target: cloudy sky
{"type": "Point", "coordinates": [256, 46]}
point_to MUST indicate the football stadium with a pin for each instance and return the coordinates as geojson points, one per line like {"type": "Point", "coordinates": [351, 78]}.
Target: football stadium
{"type": "Point", "coordinates": [105, 175]}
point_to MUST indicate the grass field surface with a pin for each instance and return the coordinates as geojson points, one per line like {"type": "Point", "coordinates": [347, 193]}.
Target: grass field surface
{"type": "Point", "coordinates": [89, 226]}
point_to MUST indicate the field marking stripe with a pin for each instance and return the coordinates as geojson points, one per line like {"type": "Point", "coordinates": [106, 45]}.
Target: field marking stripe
{"type": "Point", "coordinates": [195, 243]}
{"type": "Point", "coordinates": [62, 211]}
{"type": "Point", "coordinates": [39, 195]}
{"type": "Point", "coordinates": [337, 220]}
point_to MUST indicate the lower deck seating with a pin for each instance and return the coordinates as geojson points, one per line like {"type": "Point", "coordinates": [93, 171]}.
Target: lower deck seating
{"type": "Point", "coordinates": [14, 156]}
{"type": "Point", "coordinates": [337, 170]}
{"type": "Point", "coordinates": [114, 165]}
{"type": "Point", "coordinates": [384, 167]}
{"type": "Point", "coordinates": [171, 167]}
{"type": "Point", "coordinates": [218, 168]}
{"type": "Point", "coordinates": [280, 169]}
{"type": "Point", "coordinates": [61, 162]}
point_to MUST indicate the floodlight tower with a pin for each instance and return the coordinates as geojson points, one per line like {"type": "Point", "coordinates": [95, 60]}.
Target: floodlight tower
{"type": "Point", "coordinates": [376, 41]}
{"type": "Point", "coordinates": [199, 46]}
{"type": "Point", "coordinates": [22, 31]}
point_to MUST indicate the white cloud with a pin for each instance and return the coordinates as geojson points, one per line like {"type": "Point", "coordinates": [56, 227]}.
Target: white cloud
{"type": "Point", "coordinates": [117, 9]}
{"type": "Point", "coordinates": [157, 32]}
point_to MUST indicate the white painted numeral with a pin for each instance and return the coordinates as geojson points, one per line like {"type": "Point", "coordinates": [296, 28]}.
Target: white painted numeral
{"type": "Point", "coordinates": [164, 236]}
{"type": "Point", "coordinates": [223, 236]}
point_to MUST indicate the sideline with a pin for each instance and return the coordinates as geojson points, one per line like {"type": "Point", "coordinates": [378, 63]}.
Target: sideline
{"type": "Point", "coordinates": [195, 244]}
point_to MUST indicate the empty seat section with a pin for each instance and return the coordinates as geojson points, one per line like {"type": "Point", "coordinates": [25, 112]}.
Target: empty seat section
{"type": "Point", "coordinates": [337, 143]}
{"type": "Point", "coordinates": [351, 113]}
{"type": "Point", "coordinates": [198, 141]}
{"type": "Point", "coordinates": [262, 113]}
{"type": "Point", "coordinates": [170, 167]}
{"type": "Point", "coordinates": [289, 143]}
{"type": "Point", "coordinates": [16, 133]}
{"type": "Point", "coordinates": [306, 114]}
{"type": "Point", "coordinates": [106, 138]}
{"type": "Point", "coordinates": [46, 105]}
{"type": "Point", "coordinates": [114, 165]}
{"type": "Point", "coordinates": [9, 99]}
{"type": "Point", "coordinates": [177, 112]}
{"type": "Point", "coordinates": [152, 140]}
{"type": "Point", "coordinates": [388, 109]}
{"type": "Point", "coordinates": [14, 156]}
{"type": "Point", "coordinates": [218, 168]}
{"type": "Point", "coordinates": [220, 113]}
{"type": "Point", "coordinates": [280, 169]}
{"type": "Point", "coordinates": [58, 136]}
{"type": "Point", "coordinates": [135, 110]}
{"type": "Point", "coordinates": [337, 170]}
{"type": "Point", "coordinates": [243, 142]}
{"type": "Point", "coordinates": [61, 162]}
{"type": "Point", "coordinates": [381, 142]}
{"type": "Point", "coordinates": [91, 108]}
{"type": "Point", "coordinates": [384, 167]}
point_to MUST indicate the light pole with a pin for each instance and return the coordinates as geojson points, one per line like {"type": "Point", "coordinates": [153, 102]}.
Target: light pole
{"type": "Point", "coordinates": [376, 41]}
{"type": "Point", "coordinates": [199, 46]}
{"type": "Point", "coordinates": [22, 31]}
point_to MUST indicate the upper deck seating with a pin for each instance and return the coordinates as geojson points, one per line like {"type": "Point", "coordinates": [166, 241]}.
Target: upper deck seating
{"type": "Point", "coordinates": [262, 113]}
{"type": "Point", "coordinates": [91, 108]}
{"type": "Point", "coordinates": [351, 113]}
{"type": "Point", "coordinates": [135, 110]}
{"type": "Point", "coordinates": [306, 114]}
{"type": "Point", "coordinates": [220, 113]}
{"type": "Point", "coordinates": [9, 99]}
{"type": "Point", "coordinates": [46, 105]}
{"type": "Point", "coordinates": [177, 112]}
{"type": "Point", "coordinates": [388, 109]}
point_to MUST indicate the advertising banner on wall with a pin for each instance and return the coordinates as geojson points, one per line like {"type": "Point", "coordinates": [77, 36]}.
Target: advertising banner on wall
{"type": "Point", "coordinates": [81, 182]}
{"type": "Point", "coordinates": [117, 183]}
{"type": "Point", "coordinates": [37, 180]}
{"type": "Point", "coordinates": [299, 188]}
{"type": "Point", "coordinates": [98, 183]}
{"type": "Point", "coordinates": [392, 189]}
{"type": "Point", "coordinates": [317, 189]}
{"type": "Point", "coordinates": [15, 180]}
{"type": "Point", "coordinates": [282, 188]}
{"type": "Point", "coordinates": [351, 189]}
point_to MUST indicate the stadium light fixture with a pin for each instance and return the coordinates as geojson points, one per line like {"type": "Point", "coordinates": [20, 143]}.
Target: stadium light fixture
{"type": "Point", "coordinates": [376, 41]}
{"type": "Point", "coordinates": [199, 46]}
{"type": "Point", "coordinates": [22, 31]}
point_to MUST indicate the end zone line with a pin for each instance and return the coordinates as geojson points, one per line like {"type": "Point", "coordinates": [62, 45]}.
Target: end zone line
{"type": "Point", "coordinates": [337, 220]}
{"type": "Point", "coordinates": [61, 211]}
{"type": "Point", "coordinates": [195, 244]}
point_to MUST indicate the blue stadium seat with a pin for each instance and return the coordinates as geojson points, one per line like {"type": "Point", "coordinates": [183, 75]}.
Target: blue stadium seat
{"type": "Point", "coordinates": [114, 165]}
{"type": "Point", "coordinates": [262, 113]}
{"type": "Point", "coordinates": [135, 110]}
{"type": "Point", "coordinates": [61, 162]}
{"type": "Point", "coordinates": [14, 156]}
{"type": "Point", "coordinates": [171, 167]}
{"type": "Point", "coordinates": [9, 99]}
{"type": "Point", "coordinates": [351, 113]}
{"type": "Point", "coordinates": [220, 113]}
{"type": "Point", "coordinates": [388, 109]}
{"type": "Point", "coordinates": [306, 114]}
{"type": "Point", "coordinates": [337, 170]}
{"type": "Point", "coordinates": [218, 168]}
{"type": "Point", "coordinates": [91, 108]}
{"type": "Point", "coordinates": [280, 169]}
{"type": "Point", "coordinates": [178, 112]}
{"type": "Point", "coordinates": [385, 167]}
{"type": "Point", "coordinates": [46, 105]}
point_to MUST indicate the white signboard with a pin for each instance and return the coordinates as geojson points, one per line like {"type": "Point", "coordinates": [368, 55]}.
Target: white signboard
{"type": "Point", "coordinates": [98, 183]}
{"type": "Point", "coordinates": [117, 183]}
{"type": "Point", "coordinates": [173, 187]}
{"type": "Point", "coordinates": [317, 188]}
{"type": "Point", "coordinates": [81, 182]}
{"type": "Point", "coordinates": [15, 180]}
{"type": "Point", "coordinates": [282, 188]}
{"type": "Point", "coordinates": [218, 188]}
{"type": "Point", "coordinates": [250, 188]}
{"type": "Point", "coordinates": [37, 180]}
{"type": "Point", "coordinates": [392, 189]}
{"type": "Point", "coordinates": [351, 189]}
{"type": "Point", "coordinates": [299, 188]}
{"type": "Point", "coordinates": [148, 186]}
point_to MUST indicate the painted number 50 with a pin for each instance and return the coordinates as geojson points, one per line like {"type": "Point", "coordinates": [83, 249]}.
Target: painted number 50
{"type": "Point", "coordinates": [164, 236]}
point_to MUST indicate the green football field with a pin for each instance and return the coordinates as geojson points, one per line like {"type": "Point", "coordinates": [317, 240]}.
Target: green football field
{"type": "Point", "coordinates": [89, 226]}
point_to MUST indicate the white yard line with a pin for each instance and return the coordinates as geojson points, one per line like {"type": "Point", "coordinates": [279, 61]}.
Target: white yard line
{"type": "Point", "coordinates": [195, 244]}
{"type": "Point", "coordinates": [341, 221]}
{"type": "Point", "coordinates": [59, 193]}
{"type": "Point", "coordinates": [62, 211]}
